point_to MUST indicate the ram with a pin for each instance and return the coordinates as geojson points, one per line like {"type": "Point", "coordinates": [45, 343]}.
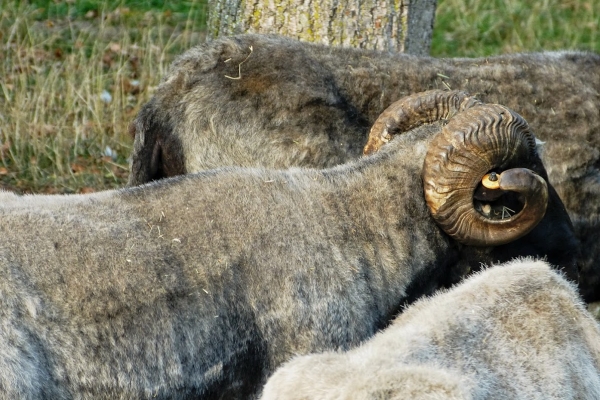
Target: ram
{"type": "Point", "coordinates": [202, 284]}
{"type": "Point", "coordinates": [515, 331]}
{"type": "Point", "coordinates": [269, 101]}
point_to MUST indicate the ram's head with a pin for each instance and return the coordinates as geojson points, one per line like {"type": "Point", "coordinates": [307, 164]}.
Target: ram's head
{"type": "Point", "coordinates": [483, 180]}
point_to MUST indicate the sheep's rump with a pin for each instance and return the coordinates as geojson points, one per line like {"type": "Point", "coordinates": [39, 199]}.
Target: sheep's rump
{"type": "Point", "coordinates": [514, 331]}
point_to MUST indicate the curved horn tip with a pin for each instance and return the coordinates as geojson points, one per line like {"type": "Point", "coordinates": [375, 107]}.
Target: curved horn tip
{"type": "Point", "coordinates": [491, 180]}
{"type": "Point", "coordinates": [470, 142]}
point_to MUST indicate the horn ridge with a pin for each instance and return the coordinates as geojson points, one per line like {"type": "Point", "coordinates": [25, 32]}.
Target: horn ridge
{"type": "Point", "coordinates": [416, 110]}
{"type": "Point", "coordinates": [473, 143]}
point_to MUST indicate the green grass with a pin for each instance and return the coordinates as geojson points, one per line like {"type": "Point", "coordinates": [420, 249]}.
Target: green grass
{"type": "Point", "coordinates": [49, 9]}
{"type": "Point", "coordinates": [474, 28]}
{"type": "Point", "coordinates": [59, 57]}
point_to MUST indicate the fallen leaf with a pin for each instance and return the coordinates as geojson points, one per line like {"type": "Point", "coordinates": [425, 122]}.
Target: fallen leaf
{"type": "Point", "coordinates": [77, 168]}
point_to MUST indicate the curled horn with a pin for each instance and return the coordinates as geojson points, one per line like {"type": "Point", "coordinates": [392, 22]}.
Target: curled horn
{"type": "Point", "coordinates": [483, 150]}
{"type": "Point", "coordinates": [415, 110]}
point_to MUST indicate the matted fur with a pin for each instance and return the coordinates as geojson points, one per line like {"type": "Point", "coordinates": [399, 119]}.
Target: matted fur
{"type": "Point", "coordinates": [301, 104]}
{"type": "Point", "coordinates": [199, 286]}
{"type": "Point", "coordinates": [514, 331]}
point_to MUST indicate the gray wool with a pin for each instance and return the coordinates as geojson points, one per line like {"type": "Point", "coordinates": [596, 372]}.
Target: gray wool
{"type": "Point", "coordinates": [513, 331]}
{"type": "Point", "coordinates": [302, 104]}
{"type": "Point", "coordinates": [203, 284]}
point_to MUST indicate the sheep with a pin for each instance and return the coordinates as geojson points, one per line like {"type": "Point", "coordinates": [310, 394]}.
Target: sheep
{"type": "Point", "coordinates": [253, 100]}
{"type": "Point", "coordinates": [513, 331]}
{"type": "Point", "coordinates": [201, 285]}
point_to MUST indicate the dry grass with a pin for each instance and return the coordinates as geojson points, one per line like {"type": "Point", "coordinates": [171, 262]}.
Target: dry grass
{"type": "Point", "coordinates": [60, 134]}
{"type": "Point", "coordinates": [70, 87]}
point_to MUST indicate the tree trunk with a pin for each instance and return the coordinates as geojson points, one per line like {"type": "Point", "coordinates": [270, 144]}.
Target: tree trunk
{"type": "Point", "coordinates": [393, 25]}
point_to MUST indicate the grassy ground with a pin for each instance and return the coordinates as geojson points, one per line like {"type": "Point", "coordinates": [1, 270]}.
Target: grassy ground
{"type": "Point", "coordinates": [73, 74]}
{"type": "Point", "coordinates": [474, 28]}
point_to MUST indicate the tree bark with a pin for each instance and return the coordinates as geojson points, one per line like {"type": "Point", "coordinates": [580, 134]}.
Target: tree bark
{"type": "Point", "coordinates": [393, 25]}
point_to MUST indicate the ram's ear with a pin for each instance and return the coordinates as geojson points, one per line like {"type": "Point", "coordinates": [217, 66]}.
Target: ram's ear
{"type": "Point", "coordinates": [157, 151]}
{"type": "Point", "coordinates": [168, 158]}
